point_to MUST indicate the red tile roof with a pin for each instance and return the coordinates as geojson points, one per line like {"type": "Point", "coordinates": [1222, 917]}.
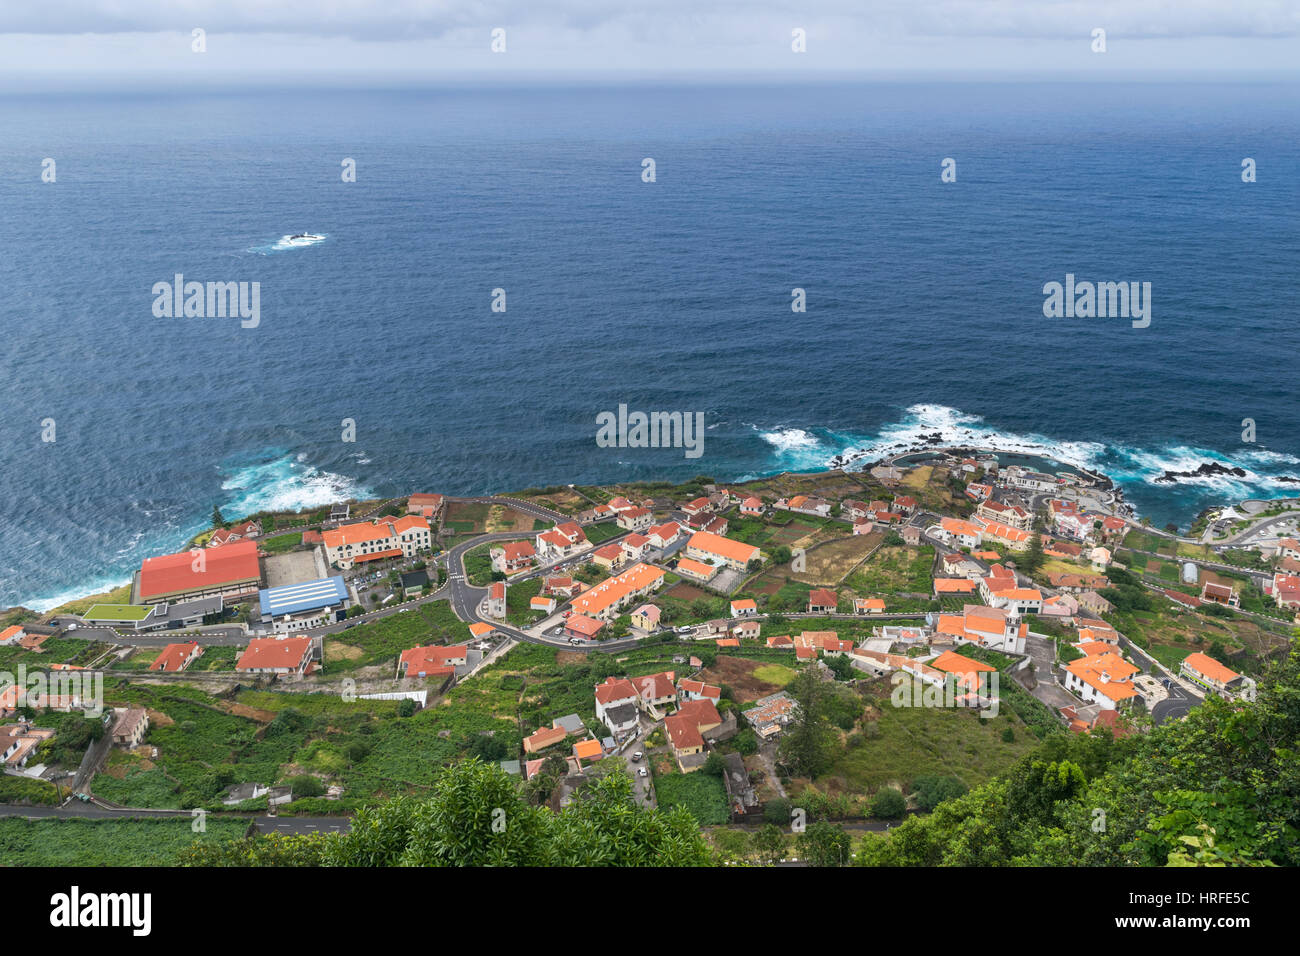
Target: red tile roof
{"type": "Point", "coordinates": [224, 565]}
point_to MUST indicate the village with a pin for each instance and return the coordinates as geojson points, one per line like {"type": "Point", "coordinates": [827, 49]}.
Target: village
{"type": "Point", "coordinates": [565, 633]}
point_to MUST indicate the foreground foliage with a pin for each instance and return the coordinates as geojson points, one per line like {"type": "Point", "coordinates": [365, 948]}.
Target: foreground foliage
{"type": "Point", "coordinates": [475, 816]}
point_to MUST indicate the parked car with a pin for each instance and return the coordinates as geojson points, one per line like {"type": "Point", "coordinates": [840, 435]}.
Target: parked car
{"type": "Point", "coordinates": [643, 772]}
{"type": "Point", "coordinates": [637, 756]}
{"type": "Point", "coordinates": [575, 640]}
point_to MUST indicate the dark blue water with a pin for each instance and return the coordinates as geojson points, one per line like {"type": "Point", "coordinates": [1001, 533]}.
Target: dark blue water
{"type": "Point", "coordinates": [924, 299]}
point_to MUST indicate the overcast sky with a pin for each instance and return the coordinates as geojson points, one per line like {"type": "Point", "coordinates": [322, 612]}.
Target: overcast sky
{"type": "Point", "coordinates": [58, 39]}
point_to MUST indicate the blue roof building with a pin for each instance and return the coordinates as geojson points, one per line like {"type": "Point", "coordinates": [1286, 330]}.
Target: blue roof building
{"type": "Point", "coordinates": [306, 596]}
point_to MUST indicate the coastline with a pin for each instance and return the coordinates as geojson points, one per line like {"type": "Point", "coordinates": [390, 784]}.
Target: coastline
{"type": "Point", "coordinates": [931, 446]}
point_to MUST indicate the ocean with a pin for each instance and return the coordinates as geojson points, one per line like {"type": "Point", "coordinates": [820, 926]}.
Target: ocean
{"type": "Point", "coordinates": [924, 299]}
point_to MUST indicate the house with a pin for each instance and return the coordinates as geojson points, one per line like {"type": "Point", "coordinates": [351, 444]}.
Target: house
{"type": "Point", "coordinates": [1061, 606]}
{"type": "Point", "coordinates": [1213, 675]}
{"type": "Point", "coordinates": [279, 656]}
{"type": "Point", "coordinates": [177, 657]}
{"type": "Point", "coordinates": [728, 642]}
{"type": "Point", "coordinates": [589, 751]}
{"type": "Point", "coordinates": [1288, 548]}
{"type": "Point", "coordinates": [428, 506]}
{"type": "Point", "coordinates": [714, 525]}
{"type": "Point", "coordinates": [1012, 516]}
{"type": "Point", "coordinates": [853, 509]}
{"type": "Point", "coordinates": [655, 691]}
{"type": "Point", "coordinates": [581, 627]}
{"type": "Point", "coordinates": [690, 689]}
{"type": "Point", "coordinates": [771, 714]}
{"type": "Point", "coordinates": [130, 724]}
{"type": "Point", "coordinates": [635, 545]}
{"type": "Point", "coordinates": [1019, 600]}
{"type": "Point", "coordinates": [959, 533]}
{"type": "Point", "coordinates": [869, 605]}
{"type": "Point", "coordinates": [496, 601]}
{"type": "Point", "coordinates": [713, 548]}
{"type": "Point", "coordinates": [616, 705]}
{"type": "Point", "coordinates": [905, 504]}
{"type": "Point", "coordinates": [561, 541]}
{"type": "Point", "coordinates": [748, 629]}
{"type": "Point", "coordinates": [979, 491]}
{"type": "Point", "coordinates": [828, 643]}
{"type": "Point", "coordinates": [646, 617]}
{"type": "Point", "coordinates": [686, 729]}
{"type": "Point", "coordinates": [697, 570]}
{"type": "Point", "coordinates": [822, 601]}
{"type": "Point", "coordinates": [780, 640]}
{"type": "Point", "coordinates": [542, 603]}
{"type": "Point", "coordinates": [1101, 558]}
{"type": "Point", "coordinates": [1105, 678]}
{"type": "Point", "coordinates": [696, 507]}
{"type": "Point", "coordinates": [967, 670]}
{"type": "Point", "coordinates": [745, 607]}
{"type": "Point", "coordinates": [751, 507]}
{"type": "Point", "coordinates": [481, 630]}
{"type": "Point", "coordinates": [809, 505]}
{"type": "Point", "coordinates": [610, 557]}
{"type": "Point", "coordinates": [1220, 594]}
{"type": "Point", "coordinates": [376, 540]}
{"type": "Point", "coordinates": [542, 738]}
{"type": "Point", "coordinates": [958, 565]}
{"type": "Point", "coordinates": [943, 586]}
{"type": "Point", "coordinates": [513, 556]}
{"type": "Point", "coordinates": [605, 601]}
{"type": "Point", "coordinates": [663, 535]}
{"type": "Point", "coordinates": [19, 741]}
{"type": "Point", "coordinates": [230, 570]}
{"type": "Point", "coordinates": [911, 535]}
{"type": "Point", "coordinates": [560, 586]}
{"type": "Point", "coordinates": [1000, 533]}
{"type": "Point", "coordinates": [863, 526]}
{"type": "Point", "coordinates": [12, 635]}
{"type": "Point", "coordinates": [636, 519]}
{"type": "Point", "coordinates": [1285, 589]}
{"type": "Point", "coordinates": [1076, 582]}
{"type": "Point", "coordinates": [432, 660]}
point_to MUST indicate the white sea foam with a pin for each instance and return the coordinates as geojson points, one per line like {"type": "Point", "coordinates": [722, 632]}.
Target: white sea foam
{"type": "Point", "coordinates": [797, 447]}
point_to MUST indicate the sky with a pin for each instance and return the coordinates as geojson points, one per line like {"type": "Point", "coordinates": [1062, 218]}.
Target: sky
{"type": "Point", "coordinates": [96, 41]}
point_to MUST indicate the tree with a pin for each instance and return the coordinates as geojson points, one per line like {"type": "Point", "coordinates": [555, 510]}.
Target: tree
{"type": "Point", "coordinates": [746, 742]}
{"type": "Point", "coordinates": [217, 520]}
{"type": "Point", "coordinates": [807, 745]}
{"type": "Point", "coordinates": [716, 765]}
{"type": "Point", "coordinates": [825, 844]}
{"type": "Point", "coordinates": [1033, 558]}
{"type": "Point", "coordinates": [770, 843]}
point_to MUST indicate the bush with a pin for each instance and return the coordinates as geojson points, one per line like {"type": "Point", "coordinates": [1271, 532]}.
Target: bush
{"type": "Point", "coordinates": [306, 786]}
{"type": "Point", "coordinates": [888, 804]}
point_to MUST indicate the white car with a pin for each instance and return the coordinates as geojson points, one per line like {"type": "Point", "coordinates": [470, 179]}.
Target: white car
{"type": "Point", "coordinates": [642, 772]}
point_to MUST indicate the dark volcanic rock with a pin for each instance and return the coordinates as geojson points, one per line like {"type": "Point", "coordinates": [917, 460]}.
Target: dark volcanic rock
{"type": "Point", "coordinates": [1207, 469]}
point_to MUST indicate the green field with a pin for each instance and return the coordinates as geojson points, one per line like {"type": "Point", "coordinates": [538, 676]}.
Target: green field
{"type": "Point", "coordinates": [88, 843]}
{"type": "Point", "coordinates": [281, 543]}
{"type": "Point", "coordinates": [703, 795]}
